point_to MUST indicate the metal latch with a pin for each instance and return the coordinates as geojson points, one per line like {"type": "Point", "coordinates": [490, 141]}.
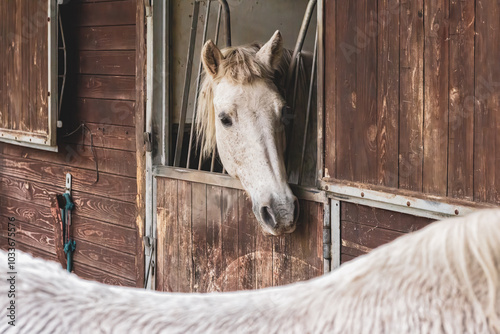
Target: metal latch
{"type": "Point", "coordinates": [148, 141]}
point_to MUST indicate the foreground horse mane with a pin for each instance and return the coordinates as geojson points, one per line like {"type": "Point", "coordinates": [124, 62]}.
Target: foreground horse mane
{"type": "Point", "coordinates": [241, 67]}
{"type": "Point", "coordinates": [441, 279]}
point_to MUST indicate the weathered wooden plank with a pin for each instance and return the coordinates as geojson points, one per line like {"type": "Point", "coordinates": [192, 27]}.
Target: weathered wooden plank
{"type": "Point", "coordinates": [30, 235]}
{"type": "Point", "coordinates": [106, 62]}
{"type": "Point", "coordinates": [109, 160]}
{"type": "Point", "coordinates": [25, 73]}
{"type": "Point", "coordinates": [161, 237]}
{"type": "Point", "coordinates": [388, 93]}
{"type": "Point", "coordinates": [169, 212]}
{"type": "Point", "coordinates": [105, 13]}
{"type": "Point", "coordinates": [184, 217]}
{"type": "Point", "coordinates": [28, 249]}
{"type": "Point", "coordinates": [33, 214]}
{"type": "Point", "coordinates": [365, 237]}
{"type": "Point", "coordinates": [115, 112]}
{"type": "Point", "coordinates": [40, 122]}
{"type": "Point", "coordinates": [411, 95]}
{"type": "Point", "coordinates": [214, 238]}
{"type": "Point", "coordinates": [282, 260]}
{"type": "Point", "coordinates": [15, 96]}
{"type": "Point", "coordinates": [380, 218]}
{"type": "Point", "coordinates": [263, 257]}
{"type": "Point", "coordinates": [461, 100]}
{"type": "Point", "coordinates": [105, 136]}
{"type": "Point", "coordinates": [435, 135]}
{"type": "Point", "coordinates": [100, 233]}
{"type": "Point", "coordinates": [364, 120]}
{"type": "Point", "coordinates": [246, 243]}
{"type": "Point", "coordinates": [487, 116]}
{"type": "Point", "coordinates": [230, 235]}
{"type": "Point", "coordinates": [330, 90]}
{"type": "Point", "coordinates": [105, 259]}
{"type": "Point", "coordinates": [34, 180]}
{"type": "Point", "coordinates": [106, 38]}
{"type": "Point", "coordinates": [103, 209]}
{"type": "Point", "coordinates": [105, 87]}
{"type": "Point", "coordinates": [199, 236]}
{"type": "Point", "coordinates": [346, 258]}
{"type": "Point", "coordinates": [347, 107]}
{"type": "Point", "coordinates": [92, 274]}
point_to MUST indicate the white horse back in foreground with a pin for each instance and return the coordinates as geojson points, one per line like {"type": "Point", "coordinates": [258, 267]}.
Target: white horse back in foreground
{"type": "Point", "coordinates": [442, 279]}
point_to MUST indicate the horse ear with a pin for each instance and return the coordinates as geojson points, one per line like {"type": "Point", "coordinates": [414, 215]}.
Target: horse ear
{"type": "Point", "coordinates": [270, 54]}
{"type": "Point", "coordinates": [211, 58]}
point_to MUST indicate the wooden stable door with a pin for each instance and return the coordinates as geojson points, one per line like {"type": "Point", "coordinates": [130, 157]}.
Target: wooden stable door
{"type": "Point", "coordinates": [209, 240]}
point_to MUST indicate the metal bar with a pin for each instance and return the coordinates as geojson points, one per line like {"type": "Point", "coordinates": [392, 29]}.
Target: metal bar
{"type": "Point", "coordinates": [187, 82]}
{"type": "Point", "coordinates": [335, 230]}
{"type": "Point", "coordinates": [309, 102]}
{"type": "Point", "coordinates": [320, 93]}
{"type": "Point", "coordinates": [289, 126]}
{"type": "Point", "coordinates": [198, 79]}
{"type": "Point", "coordinates": [217, 27]}
{"type": "Point", "coordinates": [217, 179]}
{"type": "Point", "coordinates": [149, 226]}
{"type": "Point", "coordinates": [227, 21]}
{"type": "Point", "coordinates": [429, 206]}
{"type": "Point", "coordinates": [302, 35]}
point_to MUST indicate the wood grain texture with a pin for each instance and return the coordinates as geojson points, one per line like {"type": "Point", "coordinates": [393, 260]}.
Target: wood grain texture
{"type": "Point", "coordinates": [35, 215]}
{"type": "Point", "coordinates": [330, 90]}
{"type": "Point", "coordinates": [388, 92]}
{"type": "Point", "coordinates": [105, 13]}
{"type": "Point", "coordinates": [411, 95]}
{"type": "Point", "coordinates": [436, 69]}
{"type": "Point", "coordinates": [487, 109]}
{"type": "Point", "coordinates": [461, 100]}
{"type": "Point", "coordinates": [199, 237]}
{"type": "Point", "coordinates": [106, 38]}
{"type": "Point", "coordinates": [105, 136]}
{"type": "Point", "coordinates": [230, 238]}
{"type": "Point", "coordinates": [364, 228]}
{"type": "Point", "coordinates": [102, 111]}
{"type": "Point", "coordinates": [34, 180]}
{"type": "Point", "coordinates": [184, 228]}
{"type": "Point", "coordinates": [105, 87]}
{"type": "Point", "coordinates": [106, 62]}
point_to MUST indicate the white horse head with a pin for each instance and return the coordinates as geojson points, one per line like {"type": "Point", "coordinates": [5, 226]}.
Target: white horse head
{"type": "Point", "coordinates": [240, 109]}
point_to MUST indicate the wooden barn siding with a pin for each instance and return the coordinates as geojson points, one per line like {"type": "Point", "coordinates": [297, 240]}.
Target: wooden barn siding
{"type": "Point", "coordinates": [412, 98]}
{"type": "Point", "coordinates": [209, 240]}
{"type": "Point", "coordinates": [23, 66]}
{"type": "Point", "coordinates": [101, 92]}
{"type": "Point", "coordinates": [363, 228]}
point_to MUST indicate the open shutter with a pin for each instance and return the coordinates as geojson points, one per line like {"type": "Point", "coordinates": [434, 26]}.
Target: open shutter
{"type": "Point", "coordinates": [28, 73]}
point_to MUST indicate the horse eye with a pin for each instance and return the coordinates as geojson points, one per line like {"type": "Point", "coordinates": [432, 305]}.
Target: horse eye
{"type": "Point", "coordinates": [225, 120]}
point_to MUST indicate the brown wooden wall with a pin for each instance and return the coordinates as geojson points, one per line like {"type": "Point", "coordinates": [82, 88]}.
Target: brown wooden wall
{"type": "Point", "coordinates": [101, 93]}
{"type": "Point", "coordinates": [363, 228]}
{"type": "Point", "coordinates": [412, 95]}
{"type": "Point", "coordinates": [23, 67]}
{"type": "Point", "coordinates": [209, 240]}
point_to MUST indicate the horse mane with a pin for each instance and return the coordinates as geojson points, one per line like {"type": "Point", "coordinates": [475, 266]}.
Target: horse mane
{"type": "Point", "coordinates": [441, 279]}
{"type": "Point", "coordinates": [240, 67]}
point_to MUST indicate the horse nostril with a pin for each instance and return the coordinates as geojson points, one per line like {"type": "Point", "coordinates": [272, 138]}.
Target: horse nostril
{"type": "Point", "coordinates": [267, 216]}
{"type": "Point", "coordinates": [296, 210]}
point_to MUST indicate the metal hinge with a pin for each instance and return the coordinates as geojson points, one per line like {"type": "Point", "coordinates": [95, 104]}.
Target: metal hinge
{"type": "Point", "coordinates": [148, 141]}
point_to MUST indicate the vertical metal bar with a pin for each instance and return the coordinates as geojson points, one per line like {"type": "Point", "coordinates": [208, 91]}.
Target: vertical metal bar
{"type": "Point", "coordinates": [289, 126]}
{"type": "Point", "coordinates": [198, 79]}
{"type": "Point", "coordinates": [187, 82]}
{"type": "Point", "coordinates": [335, 228]}
{"type": "Point", "coordinates": [302, 35]}
{"type": "Point", "coordinates": [309, 102]}
{"type": "Point", "coordinates": [320, 93]}
{"type": "Point", "coordinates": [216, 39]}
{"type": "Point", "coordinates": [227, 21]}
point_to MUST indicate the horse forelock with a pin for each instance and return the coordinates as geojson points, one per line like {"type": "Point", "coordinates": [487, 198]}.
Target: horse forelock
{"type": "Point", "coordinates": [239, 66]}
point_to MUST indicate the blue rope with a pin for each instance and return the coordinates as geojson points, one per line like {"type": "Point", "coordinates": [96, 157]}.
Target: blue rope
{"type": "Point", "coordinates": [69, 245]}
